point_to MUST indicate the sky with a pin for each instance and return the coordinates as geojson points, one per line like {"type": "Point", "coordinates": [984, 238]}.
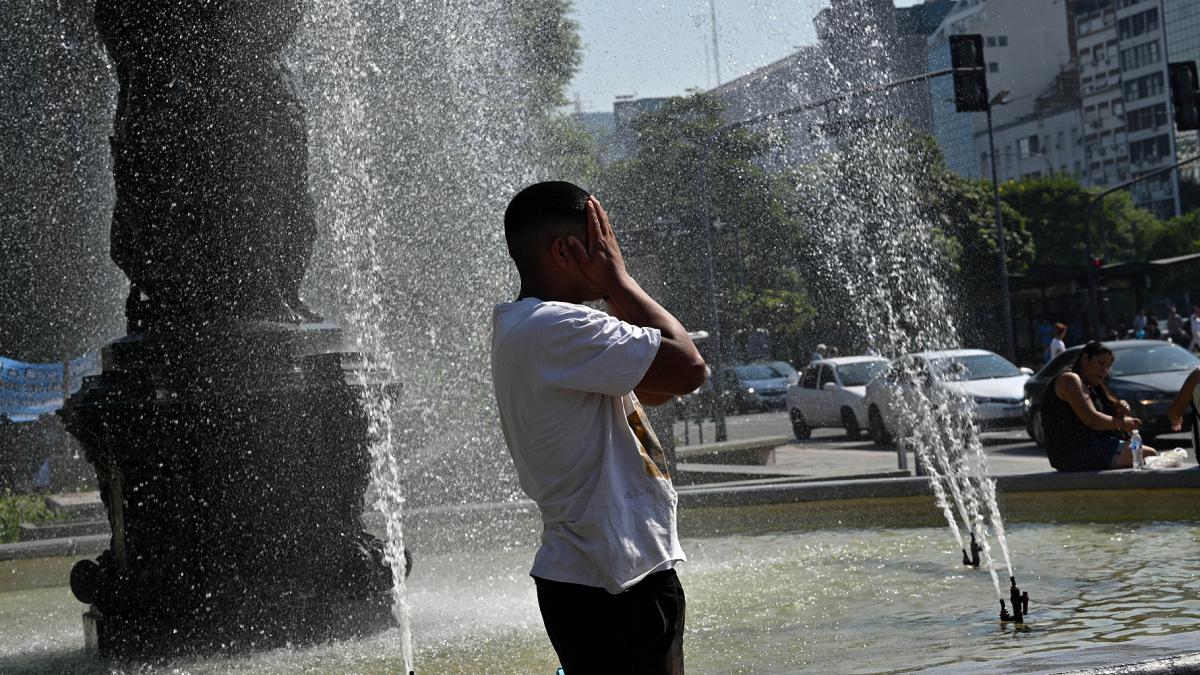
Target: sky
{"type": "Point", "coordinates": [665, 48]}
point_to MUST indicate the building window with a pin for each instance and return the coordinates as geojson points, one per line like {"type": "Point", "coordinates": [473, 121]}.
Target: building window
{"type": "Point", "coordinates": [1144, 87]}
{"type": "Point", "coordinates": [1002, 40]}
{"type": "Point", "coordinates": [1148, 118]}
{"type": "Point", "coordinates": [991, 41]}
{"type": "Point", "coordinates": [1141, 55]}
{"type": "Point", "coordinates": [1149, 150]}
{"type": "Point", "coordinates": [993, 67]}
{"type": "Point", "coordinates": [1138, 24]}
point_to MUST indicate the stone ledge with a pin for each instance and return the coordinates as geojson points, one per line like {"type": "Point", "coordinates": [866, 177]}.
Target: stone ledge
{"type": "Point", "coordinates": [755, 451]}
{"type": "Point", "coordinates": [86, 546]}
{"type": "Point", "coordinates": [61, 529]}
{"type": "Point", "coordinates": [910, 487]}
{"type": "Point", "coordinates": [77, 504]}
{"type": "Point", "coordinates": [1162, 655]}
{"type": "Point", "coordinates": [730, 475]}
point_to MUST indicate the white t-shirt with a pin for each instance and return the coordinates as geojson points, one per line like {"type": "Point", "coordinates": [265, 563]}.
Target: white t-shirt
{"type": "Point", "coordinates": [1057, 347]}
{"type": "Point", "coordinates": [563, 376]}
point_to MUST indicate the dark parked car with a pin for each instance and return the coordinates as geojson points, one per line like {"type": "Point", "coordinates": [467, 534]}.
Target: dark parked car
{"type": "Point", "coordinates": [754, 387]}
{"type": "Point", "coordinates": [1146, 373]}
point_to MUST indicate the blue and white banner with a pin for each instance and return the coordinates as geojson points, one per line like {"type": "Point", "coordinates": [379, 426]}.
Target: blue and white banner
{"type": "Point", "coordinates": [29, 390]}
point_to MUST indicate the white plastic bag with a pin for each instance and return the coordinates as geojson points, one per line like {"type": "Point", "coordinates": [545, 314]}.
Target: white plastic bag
{"type": "Point", "coordinates": [1167, 459]}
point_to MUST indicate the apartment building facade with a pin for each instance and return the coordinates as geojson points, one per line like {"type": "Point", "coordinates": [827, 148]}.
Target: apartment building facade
{"type": "Point", "coordinates": [1027, 46]}
{"type": "Point", "coordinates": [1146, 103]}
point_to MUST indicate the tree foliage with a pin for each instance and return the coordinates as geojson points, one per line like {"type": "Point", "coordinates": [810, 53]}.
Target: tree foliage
{"type": "Point", "coordinates": [964, 210]}
{"type": "Point", "coordinates": [688, 172]}
{"type": "Point", "coordinates": [1174, 237]}
{"type": "Point", "coordinates": [552, 48]}
{"type": "Point", "coordinates": [1059, 217]}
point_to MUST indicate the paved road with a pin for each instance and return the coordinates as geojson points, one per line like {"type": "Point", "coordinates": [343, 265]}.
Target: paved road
{"type": "Point", "coordinates": [739, 427]}
{"type": "Point", "coordinates": [829, 454]}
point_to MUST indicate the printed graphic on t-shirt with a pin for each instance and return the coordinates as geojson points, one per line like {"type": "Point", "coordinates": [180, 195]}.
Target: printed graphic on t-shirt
{"type": "Point", "coordinates": [654, 460]}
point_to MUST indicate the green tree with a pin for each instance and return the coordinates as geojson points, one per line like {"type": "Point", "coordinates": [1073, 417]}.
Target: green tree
{"type": "Point", "coordinates": [1056, 208]}
{"type": "Point", "coordinates": [965, 211]}
{"type": "Point", "coordinates": [552, 48]}
{"type": "Point", "coordinates": [1164, 239]}
{"type": "Point", "coordinates": [688, 172]}
{"type": "Point", "coordinates": [569, 151]}
{"type": "Point", "coordinates": [551, 54]}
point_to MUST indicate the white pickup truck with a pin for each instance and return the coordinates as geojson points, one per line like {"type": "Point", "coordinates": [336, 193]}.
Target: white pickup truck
{"type": "Point", "coordinates": [830, 394]}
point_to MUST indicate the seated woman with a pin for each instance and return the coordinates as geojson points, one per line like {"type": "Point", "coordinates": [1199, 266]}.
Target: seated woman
{"type": "Point", "coordinates": [1084, 424]}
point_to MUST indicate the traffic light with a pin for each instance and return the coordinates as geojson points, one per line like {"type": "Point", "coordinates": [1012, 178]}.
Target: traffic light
{"type": "Point", "coordinates": [970, 73]}
{"type": "Point", "coordinates": [1184, 97]}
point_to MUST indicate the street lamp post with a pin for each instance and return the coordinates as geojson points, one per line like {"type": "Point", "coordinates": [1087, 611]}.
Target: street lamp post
{"type": "Point", "coordinates": [710, 283]}
{"type": "Point", "coordinates": [1005, 302]}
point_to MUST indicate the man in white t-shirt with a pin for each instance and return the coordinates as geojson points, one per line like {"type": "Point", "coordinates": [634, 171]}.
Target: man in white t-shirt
{"type": "Point", "coordinates": [568, 380]}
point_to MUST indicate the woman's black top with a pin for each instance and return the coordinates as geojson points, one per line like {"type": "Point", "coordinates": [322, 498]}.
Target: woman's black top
{"type": "Point", "coordinates": [1065, 433]}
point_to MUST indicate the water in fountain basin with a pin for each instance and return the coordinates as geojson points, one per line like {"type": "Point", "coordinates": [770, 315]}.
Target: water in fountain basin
{"type": "Point", "coordinates": [770, 590]}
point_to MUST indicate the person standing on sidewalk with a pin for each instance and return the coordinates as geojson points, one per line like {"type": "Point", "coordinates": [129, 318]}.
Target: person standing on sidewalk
{"type": "Point", "coordinates": [1194, 328]}
{"type": "Point", "coordinates": [568, 380]}
{"type": "Point", "coordinates": [1175, 326]}
{"type": "Point", "coordinates": [1058, 343]}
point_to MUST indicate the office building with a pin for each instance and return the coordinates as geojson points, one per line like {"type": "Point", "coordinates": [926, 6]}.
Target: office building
{"type": "Point", "coordinates": [1149, 122]}
{"type": "Point", "coordinates": [1128, 125]}
{"type": "Point", "coordinates": [1027, 45]}
{"type": "Point", "coordinates": [1046, 141]}
{"type": "Point", "coordinates": [860, 43]}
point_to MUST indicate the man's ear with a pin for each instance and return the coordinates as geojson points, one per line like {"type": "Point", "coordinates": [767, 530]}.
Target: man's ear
{"type": "Point", "coordinates": [560, 253]}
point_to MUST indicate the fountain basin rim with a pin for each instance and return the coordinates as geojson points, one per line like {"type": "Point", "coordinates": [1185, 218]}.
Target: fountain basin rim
{"type": "Point", "coordinates": [741, 495]}
{"type": "Point", "coordinates": [1166, 655]}
{"type": "Point", "coordinates": [1049, 481]}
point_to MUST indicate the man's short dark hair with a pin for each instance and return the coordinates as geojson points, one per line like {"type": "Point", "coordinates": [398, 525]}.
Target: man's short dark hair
{"type": "Point", "coordinates": [541, 213]}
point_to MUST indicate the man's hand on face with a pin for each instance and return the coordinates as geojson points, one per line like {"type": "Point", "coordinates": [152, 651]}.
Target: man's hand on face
{"type": "Point", "coordinates": [600, 261]}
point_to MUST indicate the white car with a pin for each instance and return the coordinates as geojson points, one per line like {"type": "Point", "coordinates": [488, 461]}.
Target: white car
{"type": "Point", "coordinates": [830, 394]}
{"type": "Point", "coordinates": [996, 385]}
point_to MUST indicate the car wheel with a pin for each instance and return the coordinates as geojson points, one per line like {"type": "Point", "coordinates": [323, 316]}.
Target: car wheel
{"type": "Point", "coordinates": [1035, 429]}
{"type": "Point", "coordinates": [850, 422]}
{"type": "Point", "coordinates": [879, 432]}
{"type": "Point", "coordinates": [799, 426]}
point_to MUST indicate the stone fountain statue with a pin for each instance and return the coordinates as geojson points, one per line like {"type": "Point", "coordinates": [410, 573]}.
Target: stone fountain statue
{"type": "Point", "coordinates": [227, 429]}
{"type": "Point", "coordinates": [213, 220]}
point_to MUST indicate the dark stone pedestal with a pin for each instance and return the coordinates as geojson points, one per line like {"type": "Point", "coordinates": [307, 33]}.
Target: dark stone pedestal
{"type": "Point", "coordinates": [233, 464]}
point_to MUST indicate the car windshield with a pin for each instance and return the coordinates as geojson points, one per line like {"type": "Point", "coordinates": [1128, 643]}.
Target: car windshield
{"type": "Point", "coordinates": [859, 374]}
{"type": "Point", "coordinates": [785, 368]}
{"type": "Point", "coordinates": [977, 367]}
{"type": "Point", "coordinates": [1151, 359]}
{"type": "Point", "coordinates": [760, 371]}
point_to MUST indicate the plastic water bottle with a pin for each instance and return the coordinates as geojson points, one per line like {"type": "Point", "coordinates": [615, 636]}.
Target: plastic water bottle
{"type": "Point", "coordinates": [1135, 447]}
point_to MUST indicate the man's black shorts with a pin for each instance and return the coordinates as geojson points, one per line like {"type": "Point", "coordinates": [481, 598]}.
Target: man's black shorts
{"type": "Point", "coordinates": [637, 631]}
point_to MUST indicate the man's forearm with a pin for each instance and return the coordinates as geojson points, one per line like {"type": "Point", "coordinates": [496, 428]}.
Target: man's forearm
{"type": "Point", "coordinates": [678, 367]}
{"type": "Point", "coordinates": [629, 303]}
